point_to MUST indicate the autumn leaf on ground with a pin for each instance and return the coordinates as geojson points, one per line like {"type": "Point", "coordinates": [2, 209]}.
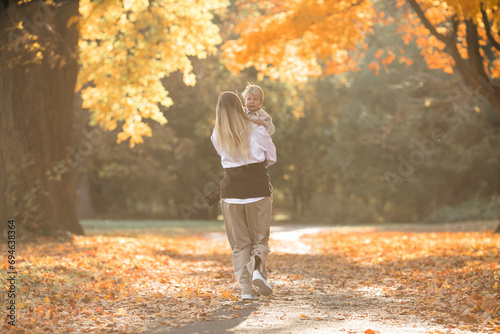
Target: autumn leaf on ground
{"type": "Point", "coordinates": [369, 331]}
{"type": "Point", "coordinates": [226, 294]}
{"type": "Point", "coordinates": [121, 311]}
{"type": "Point", "coordinates": [169, 281]}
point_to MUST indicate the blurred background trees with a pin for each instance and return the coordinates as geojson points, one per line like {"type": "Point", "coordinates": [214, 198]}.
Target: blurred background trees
{"type": "Point", "coordinates": [339, 140]}
{"type": "Point", "coordinates": [378, 134]}
{"type": "Point", "coordinates": [114, 54]}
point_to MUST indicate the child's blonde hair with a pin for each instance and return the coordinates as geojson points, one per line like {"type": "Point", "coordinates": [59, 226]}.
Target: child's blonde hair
{"type": "Point", "coordinates": [233, 127]}
{"type": "Point", "coordinates": [253, 90]}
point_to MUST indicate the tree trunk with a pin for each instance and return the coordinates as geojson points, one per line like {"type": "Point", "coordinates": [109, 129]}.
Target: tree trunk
{"type": "Point", "coordinates": [36, 116]}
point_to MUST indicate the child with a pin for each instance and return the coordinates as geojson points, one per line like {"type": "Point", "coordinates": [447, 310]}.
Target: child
{"type": "Point", "coordinates": [254, 97]}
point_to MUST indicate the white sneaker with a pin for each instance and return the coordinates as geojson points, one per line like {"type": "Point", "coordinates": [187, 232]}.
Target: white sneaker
{"type": "Point", "coordinates": [260, 282]}
{"type": "Point", "coordinates": [248, 297]}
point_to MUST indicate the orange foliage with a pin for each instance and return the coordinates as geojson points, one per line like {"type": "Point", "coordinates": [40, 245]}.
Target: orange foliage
{"type": "Point", "coordinates": [454, 277]}
{"type": "Point", "coordinates": [296, 37]}
{"type": "Point", "coordinates": [295, 40]}
{"type": "Point", "coordinates": [109, 284]}
{"type": "Point", "coordinates": [123, 283]}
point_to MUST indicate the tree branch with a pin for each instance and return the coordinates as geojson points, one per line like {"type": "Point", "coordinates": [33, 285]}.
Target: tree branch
{"type": "Point", "coordinates": [454, 32]}
{"type": "Point", "coordinates": [421, 15]}
{"type": "Point", "coordinates": [449, 41]}
{"type": "Point", "coordinates": [487, 27]}
{"type": "Point", "coordinates": [356, 4]}
{"type": "Point", "coordinates": [475, 58]}
{"type": "Point", "coordinates": [472, 74]}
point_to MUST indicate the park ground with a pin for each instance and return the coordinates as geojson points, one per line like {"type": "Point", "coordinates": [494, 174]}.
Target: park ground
{"type": "Point", "coordinates": [176, 277]}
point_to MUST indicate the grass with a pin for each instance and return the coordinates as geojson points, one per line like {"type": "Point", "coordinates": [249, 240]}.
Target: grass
{"type": "Point", "coordinates": [163, 227]}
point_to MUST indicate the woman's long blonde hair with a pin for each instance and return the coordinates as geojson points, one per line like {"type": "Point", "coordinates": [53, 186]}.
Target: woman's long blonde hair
{"type": "Point", "coordinates": [233, 127]}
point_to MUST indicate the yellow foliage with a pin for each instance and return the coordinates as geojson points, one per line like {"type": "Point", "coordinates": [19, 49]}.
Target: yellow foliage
{"type": "Point", "coordinates": [127, 47]}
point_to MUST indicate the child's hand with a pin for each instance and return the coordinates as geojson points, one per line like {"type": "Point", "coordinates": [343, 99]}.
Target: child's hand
{"type": "Point", "coordinates": [259, 122]}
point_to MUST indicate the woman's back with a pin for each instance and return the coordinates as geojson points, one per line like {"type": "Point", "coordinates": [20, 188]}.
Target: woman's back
{"type": "Point", "coordinates": [260, 148]}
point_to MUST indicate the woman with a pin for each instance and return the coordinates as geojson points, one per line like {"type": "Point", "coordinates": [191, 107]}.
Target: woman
{"type": "Point", "coordinates": [246, 150]}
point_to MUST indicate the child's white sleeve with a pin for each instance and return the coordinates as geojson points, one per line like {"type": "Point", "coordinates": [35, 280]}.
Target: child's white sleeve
{"type": "Point", "coordinates": [269, 123]}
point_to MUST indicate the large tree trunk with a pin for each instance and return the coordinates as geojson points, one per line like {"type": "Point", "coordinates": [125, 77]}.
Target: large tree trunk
{"type": "Point", "coordinates": [36, 115]}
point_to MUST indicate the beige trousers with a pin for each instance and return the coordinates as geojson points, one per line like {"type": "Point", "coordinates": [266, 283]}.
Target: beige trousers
{"type": "Point", "coordinates": [247, 229]}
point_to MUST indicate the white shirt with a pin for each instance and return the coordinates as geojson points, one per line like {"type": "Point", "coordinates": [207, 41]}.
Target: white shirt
{"type": "Point", "coordinates": [261, 148]}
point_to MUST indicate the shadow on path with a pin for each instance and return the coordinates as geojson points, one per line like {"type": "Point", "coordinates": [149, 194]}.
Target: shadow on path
{"type": "Point", "coordinates": [224, 319]}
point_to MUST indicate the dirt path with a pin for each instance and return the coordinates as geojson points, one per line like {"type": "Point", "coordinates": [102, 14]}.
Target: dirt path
{"type": "Point", "coordinates": [307, 300]}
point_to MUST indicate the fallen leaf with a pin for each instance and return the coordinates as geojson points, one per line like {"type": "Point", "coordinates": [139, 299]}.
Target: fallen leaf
{"type": "Point", "coordinates": [226, 294]}
{"type": "Point", "coordinates": [121, 311]}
